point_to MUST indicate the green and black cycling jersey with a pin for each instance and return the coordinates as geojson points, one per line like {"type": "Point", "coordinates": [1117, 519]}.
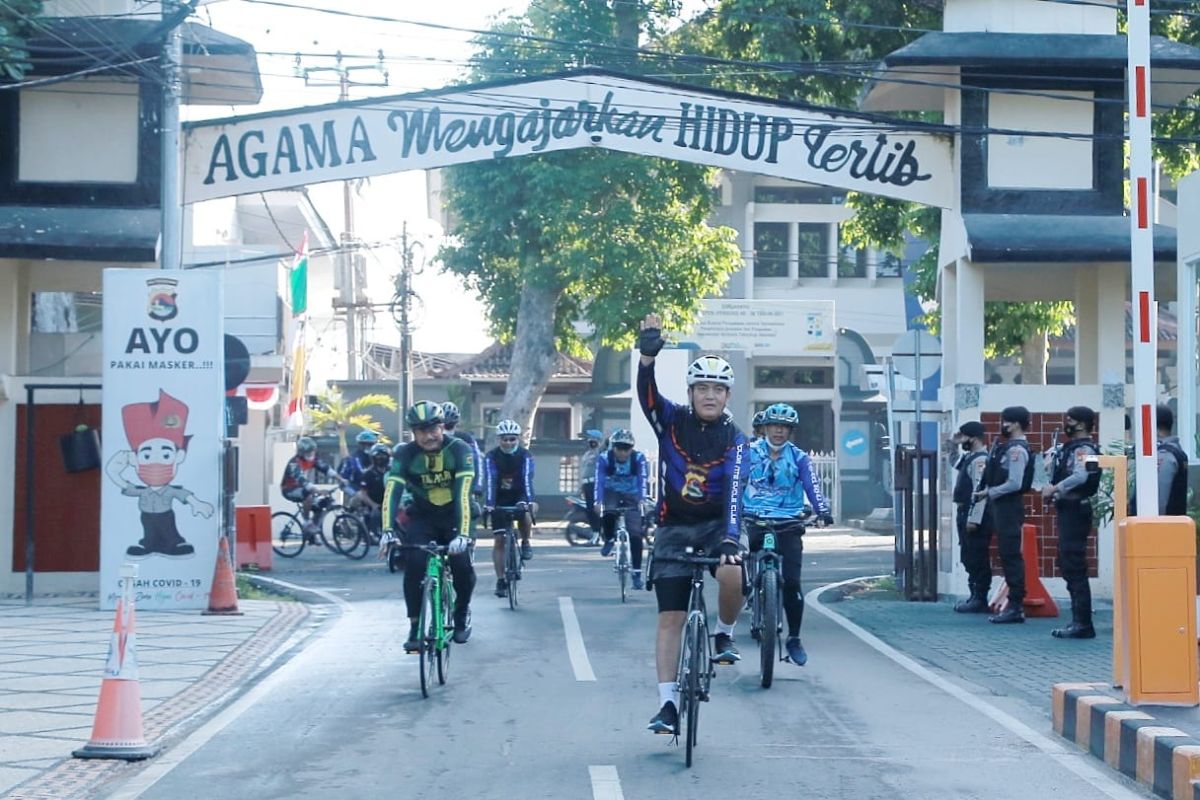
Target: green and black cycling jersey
{"type": "Point", "coordinates": [438, 482]}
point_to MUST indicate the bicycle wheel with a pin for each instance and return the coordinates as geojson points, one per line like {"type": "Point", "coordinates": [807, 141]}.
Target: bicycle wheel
{"type": "Point", "coordinates": [350, 536]}
{"type": "Point", "coordinates": [695, 633]}
{"type": "Point", "coordinates": [512, 560]}
{"type": "Point", "coordinates": [623, 569]}
{"type": "Point", "coordinates": [768, 630]}
{"type": "Point", "coordinates": [328, 527]}
{"type": "Point", "coordinates": [287, 534]}
{"type": "Point", "coordinates": [426, 638]}
{"type": "Point", "coordinates": [443, 652]}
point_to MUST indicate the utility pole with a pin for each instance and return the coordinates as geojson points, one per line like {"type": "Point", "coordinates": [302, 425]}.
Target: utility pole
{"type": "Point", "coordinates": [171, 197]}
{"type": "Point", "coordinates": [348, 254]}
{"type": "Point", "coordinates": [403, 317]}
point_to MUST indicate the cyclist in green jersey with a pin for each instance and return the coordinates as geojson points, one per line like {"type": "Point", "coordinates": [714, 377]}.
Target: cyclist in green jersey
{"type": "Point", "coordinates": [437, 470]}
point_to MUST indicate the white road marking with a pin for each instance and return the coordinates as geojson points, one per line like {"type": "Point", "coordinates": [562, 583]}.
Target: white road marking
{"type": "Point", "coordinates": [1072, 759]}
{"type": "Point", "coordinates": [575, 647]}
{"type": "Point", "coordinates": [606, 784]}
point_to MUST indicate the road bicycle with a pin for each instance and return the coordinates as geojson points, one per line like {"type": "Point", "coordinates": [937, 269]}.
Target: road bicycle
{"type": "Point", "coordinates": [765, 568]}
{"type": "Point", "coordinates": [435, 623]}
{"type": "Point", "coordinates": [512, 549]}
{"type": "Point", "coordinates": [693, 678]}
{"type": "Point", "coordinates": [289, 535]}
{"type": "Point", "coordinates": [623, 564]}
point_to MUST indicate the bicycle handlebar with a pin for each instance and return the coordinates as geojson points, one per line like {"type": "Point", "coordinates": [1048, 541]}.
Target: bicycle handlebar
{"type": "Point", "coordinates": [701, 561]}
{"type": "Point", "coordinates": [433, 549]}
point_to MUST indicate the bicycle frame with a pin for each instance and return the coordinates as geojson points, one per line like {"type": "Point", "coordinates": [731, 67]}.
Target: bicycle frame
{"type": "Point", "coordinates": [766, 559]}
{"type": "Point", "coordinates": [443, 597]}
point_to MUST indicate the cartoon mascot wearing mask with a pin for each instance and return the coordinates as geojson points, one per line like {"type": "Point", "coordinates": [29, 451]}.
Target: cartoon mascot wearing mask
{"type": "Point", "coordinates": [155, 432]}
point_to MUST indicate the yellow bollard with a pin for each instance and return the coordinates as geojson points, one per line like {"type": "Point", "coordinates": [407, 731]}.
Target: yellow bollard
{"type": "Point", "coordinates": [1120, 497]}
{"type": "Point", "coordinates": [1157, 586]}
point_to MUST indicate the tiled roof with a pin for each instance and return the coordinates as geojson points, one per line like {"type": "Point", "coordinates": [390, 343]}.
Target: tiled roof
{"type": "Point", "coordinates": [495, 362]}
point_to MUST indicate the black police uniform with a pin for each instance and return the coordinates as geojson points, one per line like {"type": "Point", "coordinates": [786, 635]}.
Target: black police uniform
{"type": "Point", "coordinates": [1074, 510]}
{"type": "Point", "coordinates": [973, 547]}
{"type": "Point", "coordinates": [1177, 497]}
{"type": "Point", "coordinates": [1006, 514]}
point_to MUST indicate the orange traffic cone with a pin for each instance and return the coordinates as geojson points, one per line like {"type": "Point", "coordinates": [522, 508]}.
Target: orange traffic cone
{"type": "Point", "coordinates": [223, 597]}
{"type": "Point", "coordinates": [117, 729]}
{"type": "Point", "coordinates": [1038, 602]}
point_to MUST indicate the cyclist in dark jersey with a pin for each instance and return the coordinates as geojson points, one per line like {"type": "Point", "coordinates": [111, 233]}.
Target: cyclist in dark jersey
{"type": "Point", "coordinates": [701, 462]}
{"type": "Point", "coordinates": [510, 481]}
{"type": "Point", "coordinates": [437, 470]}
{"type": "Point", "coordinates": [453, 415]}
{"type": "Point", "coordinates": [371, 486]}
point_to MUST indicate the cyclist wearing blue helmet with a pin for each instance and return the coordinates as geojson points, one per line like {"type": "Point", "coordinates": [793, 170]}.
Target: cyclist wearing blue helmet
{"type": "Point", "coordinates": [354, 465]}
{"type": "Point", "coordinates": [779, 480]}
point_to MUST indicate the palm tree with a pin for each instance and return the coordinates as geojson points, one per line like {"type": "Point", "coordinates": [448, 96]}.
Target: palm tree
{"type": "Point", "coordinates": [336, 413]}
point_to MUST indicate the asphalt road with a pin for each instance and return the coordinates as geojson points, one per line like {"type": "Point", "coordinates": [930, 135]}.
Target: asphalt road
{"type": "Point", "coordinates": [345, 718]}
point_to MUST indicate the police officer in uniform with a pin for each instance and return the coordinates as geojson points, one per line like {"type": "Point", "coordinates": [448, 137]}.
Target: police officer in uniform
{"type": "Point", "coordinates": [1007, 476]}
{"type": "Point", "coordinates": [1071, 487]}
{"type": "Point", "coordinates": [1172, 467]}
{"type": "Point", "coordinates": [973, 544]}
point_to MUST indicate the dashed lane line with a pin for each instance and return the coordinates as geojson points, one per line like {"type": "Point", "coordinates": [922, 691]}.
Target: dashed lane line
{"type": "Point", "coordinates": [576, 650]}
{"type": "Point", "coordinates": [606, 784]}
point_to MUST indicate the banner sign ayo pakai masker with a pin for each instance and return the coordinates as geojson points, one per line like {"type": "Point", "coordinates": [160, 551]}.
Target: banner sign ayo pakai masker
{"type": "Point", "coordinates": [284, 149]}
{"type": "Point", "coordinates": [163, 422]}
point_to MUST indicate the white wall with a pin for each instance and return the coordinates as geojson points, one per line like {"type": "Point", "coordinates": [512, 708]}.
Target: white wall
{"type": "Point", "coordinates": [1029, 16]}
{"type": "Point", "coordinates": [1040, 162]}
{"type": "Point", "coordinates": [97, 8]}
{"type": "Point", "coordinates": [55, 120]}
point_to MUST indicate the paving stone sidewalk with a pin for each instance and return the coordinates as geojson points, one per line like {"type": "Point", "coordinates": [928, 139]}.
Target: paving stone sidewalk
{"type": "Point", "coordinates": [52, 655]}
{"type": "Point", "coordinates": [1021, 661]}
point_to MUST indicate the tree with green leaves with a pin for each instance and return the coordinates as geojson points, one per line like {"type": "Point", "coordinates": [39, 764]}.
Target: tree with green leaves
{"type": "Point", "coordinates": [588, 239]}
{"type": "Point", "coordinates": [15, 27]}
{"type": "Point", "coordinates": [337, 415]}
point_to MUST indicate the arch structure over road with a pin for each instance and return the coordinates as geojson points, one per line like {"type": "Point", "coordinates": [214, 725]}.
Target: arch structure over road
{"type": "Point", "coordinates": [587, 108]}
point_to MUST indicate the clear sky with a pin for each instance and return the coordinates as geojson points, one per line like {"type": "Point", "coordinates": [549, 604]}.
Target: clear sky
{"type": "Point", "coordinates": [416, 58]}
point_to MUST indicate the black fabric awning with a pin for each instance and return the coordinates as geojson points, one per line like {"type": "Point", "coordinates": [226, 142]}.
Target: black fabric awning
{"type": "Point", "coordinates": [1022, 238]}
{"type": "Point", "coordinates": [119, 235]}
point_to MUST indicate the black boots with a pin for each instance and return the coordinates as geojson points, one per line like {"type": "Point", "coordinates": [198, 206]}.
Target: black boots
{"type": "Point", "coordinates": [1081, 621]}
{"type": "Point", "coordinates": [975, 604]}
{"type": "Point", "coordinates": [1012, 614]}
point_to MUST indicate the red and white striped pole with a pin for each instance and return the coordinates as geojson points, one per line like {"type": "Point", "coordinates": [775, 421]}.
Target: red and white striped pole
{"type": "Point", "coordinates": [1141, 263]}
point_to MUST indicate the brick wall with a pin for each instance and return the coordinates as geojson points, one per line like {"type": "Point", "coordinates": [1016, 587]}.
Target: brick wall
{"type": "Point", "coordinates": [1041, 515]}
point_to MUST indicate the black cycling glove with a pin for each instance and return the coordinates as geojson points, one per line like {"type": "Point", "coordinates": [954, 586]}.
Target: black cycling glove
{"type": "Point", "coordinates": [728, 547]}
{"type": "Point", "coordinates": [650, 341]}
{"type": "Point", "coordinates": [825, 519]}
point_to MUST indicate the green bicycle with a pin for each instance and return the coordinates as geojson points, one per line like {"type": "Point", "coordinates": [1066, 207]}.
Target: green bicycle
{"type": "Point", "coordinates": [435, 625]}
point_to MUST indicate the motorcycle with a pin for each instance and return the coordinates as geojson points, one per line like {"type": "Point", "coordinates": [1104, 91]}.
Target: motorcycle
{"type": "Point", "coordinates": [575, 523]}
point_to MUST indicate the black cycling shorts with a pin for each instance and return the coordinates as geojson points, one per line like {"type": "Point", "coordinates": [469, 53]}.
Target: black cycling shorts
{"type": "Point", "coordinates": [499, 521]}
{"type": "Point", "coordinates": [673, 581]}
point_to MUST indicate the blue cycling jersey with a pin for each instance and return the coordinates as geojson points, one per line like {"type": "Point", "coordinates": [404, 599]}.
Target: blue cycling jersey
{"type": "Point", "coordinates": [776, 488]}
{"type": "Point", "coordinates": [616, 480]}
{"type": "Point", "coordinates": [701, 464]}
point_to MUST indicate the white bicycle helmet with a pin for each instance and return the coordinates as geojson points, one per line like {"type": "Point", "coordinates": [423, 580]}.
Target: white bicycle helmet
{"type": "Point", "coordinates": [621, 436]}
{"type": "Point", "coordinates": [710, 369]}
{"type": "Point", "coordinates": [508, 427]}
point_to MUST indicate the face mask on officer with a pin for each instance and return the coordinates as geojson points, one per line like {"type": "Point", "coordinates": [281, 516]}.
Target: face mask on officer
{"type": "Point", "coordinates": [967, 445]}
{"type": "Point", "coordinates": [1006, 429]}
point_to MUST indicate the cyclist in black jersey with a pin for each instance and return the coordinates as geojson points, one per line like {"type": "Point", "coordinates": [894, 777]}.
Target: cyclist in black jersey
{"type": "Point", "coordinates": [437, 471]}
{"type": "Point", "coordinates": [509, 468]}
{"type": "Point", "coordinates": [701, 462]}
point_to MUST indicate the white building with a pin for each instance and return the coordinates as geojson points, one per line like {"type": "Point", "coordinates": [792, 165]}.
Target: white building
{"type": "Point", "coordinates": [81, 194]}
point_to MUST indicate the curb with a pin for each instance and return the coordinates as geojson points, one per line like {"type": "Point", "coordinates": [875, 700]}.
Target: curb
{"type": "Point", "coordinates": [251, 659]}
{"type": "Point", "coordinates": [1162, 758]}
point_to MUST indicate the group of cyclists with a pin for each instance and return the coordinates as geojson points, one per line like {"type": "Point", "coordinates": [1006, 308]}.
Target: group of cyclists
{"type": "Point", "coordinates": [710, 477]}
